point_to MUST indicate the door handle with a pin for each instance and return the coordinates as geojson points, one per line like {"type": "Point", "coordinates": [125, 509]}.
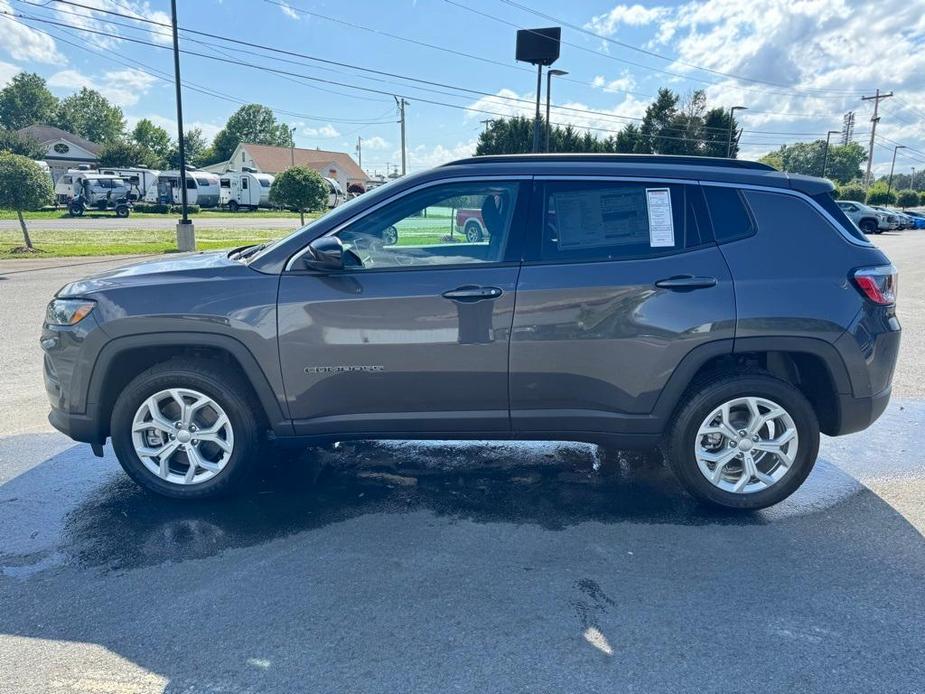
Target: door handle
{"type": "Point", "coordinates": [471, 294]}
{"type": "Point", "coordinates": [682, 283]}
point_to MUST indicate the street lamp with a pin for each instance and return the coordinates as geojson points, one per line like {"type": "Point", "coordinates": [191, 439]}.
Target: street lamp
{"type": "Point", "coordinates": [549, 75]}
{"type": "Point", "coordinates": [825, 152]}
{"type": "Point", "coordinates": [732, 112]}
{"type": "Point", "coordinates": [912, 181]}
{"type": "Point", "coordinates": [889, 185]}
{"type": "Point", "coordinates": [292, 146]}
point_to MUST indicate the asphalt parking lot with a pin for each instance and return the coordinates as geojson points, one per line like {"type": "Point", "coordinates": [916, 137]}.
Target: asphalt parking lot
{"type": "Point", "coordinates": [425, 566]}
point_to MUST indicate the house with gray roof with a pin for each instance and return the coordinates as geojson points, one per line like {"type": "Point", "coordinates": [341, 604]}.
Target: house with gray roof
{"type": "Point", "coordinates": [63, 150]}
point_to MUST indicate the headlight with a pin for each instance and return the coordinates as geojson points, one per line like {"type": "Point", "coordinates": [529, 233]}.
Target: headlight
{"type": "Point", "coordinates": [68, 311]}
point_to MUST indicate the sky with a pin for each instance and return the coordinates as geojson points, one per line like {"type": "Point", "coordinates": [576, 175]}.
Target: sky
{"type": "Point", "coordinates": [797, 65]}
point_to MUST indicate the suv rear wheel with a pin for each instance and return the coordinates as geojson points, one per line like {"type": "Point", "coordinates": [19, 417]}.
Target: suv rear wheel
{"type": "Point", "coordinates": [744, 442]}
{"type": "Point", "coordinates": [185, 430]}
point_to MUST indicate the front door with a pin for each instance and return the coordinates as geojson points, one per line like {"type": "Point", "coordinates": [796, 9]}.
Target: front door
{"type": "Point", "coordinates": [621, 281]}
{"type": "Point", "coordinates": [413, 338]}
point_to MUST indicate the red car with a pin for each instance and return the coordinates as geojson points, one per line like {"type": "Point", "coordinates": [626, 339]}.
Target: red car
{"type": "Point", "coordinates": [469, 222]}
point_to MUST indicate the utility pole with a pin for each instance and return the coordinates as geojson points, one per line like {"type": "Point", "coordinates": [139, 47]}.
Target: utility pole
{"type": "Point", "coordinates": [360, 151]}
{"type": "Point", "coordinates": [401, 102]}
{"type": "Point", "coordinates": [889, 185]}
{"type": "Point", "coordinates": [186, 235]}
{"type": "Point", "coordinates": [536, 119]}
{"type": "Point", "coordinates": [873, 131]}
{"type": "Point", "coordinates": [912, 180]}
{"type": "Point", "coordinates": [825, 152]}
{"type": "Point", "coordinates": [292, 146]}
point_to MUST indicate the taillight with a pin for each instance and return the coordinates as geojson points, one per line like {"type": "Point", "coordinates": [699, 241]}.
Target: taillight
{"type": "Point", "coordinates": [879, 284]}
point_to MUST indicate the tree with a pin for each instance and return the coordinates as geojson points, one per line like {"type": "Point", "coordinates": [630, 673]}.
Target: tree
{"type": "Point", "coordinates": [197, 150]}
{"type": "Point", "coordinates": [852, 191]}
{"type": "Point", "coordinates": [154, 139]}
{"type": "Point", "coordinates": [26, 101]}
{"type": "Point", "coordinates": [125, 153]}
{"type": "Point", "coordinates": [300, 188]}
{"type": "Point", "coordinates": [717, 123]}
{"type": "Point", "coordinates": [23, 186]}
{"type": "Point", "coordinates": [842, 165]}
{"type": "Point", "coordinates": [15, 143]}
{"type": "Point", "coordinates": [877, 194]}
{"type": "Point", "coordinates": [89, 114]}
{"type": "Point", "coordinates": [907, 198]}
{"type": "Point", "coordinates": [251, 123]}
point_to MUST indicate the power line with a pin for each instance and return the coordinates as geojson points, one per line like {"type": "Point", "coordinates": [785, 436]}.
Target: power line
{"type": "Point", "coordinates": [631, 47]}
{"type": "Point", "coordinates": [430, 83]}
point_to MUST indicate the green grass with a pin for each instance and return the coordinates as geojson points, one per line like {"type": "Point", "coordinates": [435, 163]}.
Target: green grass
{"type": "Point", "coordinates": [60, 244]}
{"type": "Point", "coordinates": [202, 214]}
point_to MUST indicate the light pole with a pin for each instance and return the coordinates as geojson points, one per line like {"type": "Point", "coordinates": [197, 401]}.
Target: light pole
{"type": "Point", "coordinates": [186, 235]}
{"type": "Point", "coordinates": [825, 152]}
{"type": "Point", "coordinates": [912, 180]}
{"type": "Point", "coordinates": [732, 113]}
{"type": "Point", "coordinates": [292, 146]}
{"type": "Point", "coordinates": [549, 75]}
{"type": "Point", "coordinates": [889, 185]}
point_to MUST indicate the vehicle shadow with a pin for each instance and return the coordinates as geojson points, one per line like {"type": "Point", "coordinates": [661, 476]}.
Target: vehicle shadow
{"type": "Point", "coordinates": [433, 566]}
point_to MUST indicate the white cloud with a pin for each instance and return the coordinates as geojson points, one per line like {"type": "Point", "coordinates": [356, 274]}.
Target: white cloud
{"type": "Point", "coordinates": [7, 72]}
{"type": "Point", "coordinates": [625, 82]}
{"type": "Point", "coordinates": [325, 131]}
{"type": "Point", "coordinates": [93, 15]}
{"type": "Point", "coordinates": [422, 157]}
{"type": "Point", "coordinates": [121, 87]}
{"type": "Point", "coordinates": [375, 143]}
{"type": "Point", "coordinates": [288, 11]}
{"type": "Point", "coordinates": [24, 43]}
{"type": "Point", "coordinates": [632, 15]}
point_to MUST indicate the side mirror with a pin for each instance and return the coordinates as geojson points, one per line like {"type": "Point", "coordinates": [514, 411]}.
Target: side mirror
{"type": "Point", "coordinates": [325, 254]}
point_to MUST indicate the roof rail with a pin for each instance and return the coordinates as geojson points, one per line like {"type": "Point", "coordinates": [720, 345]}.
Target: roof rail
{"type": "Point", "coordinates": [685, 160]}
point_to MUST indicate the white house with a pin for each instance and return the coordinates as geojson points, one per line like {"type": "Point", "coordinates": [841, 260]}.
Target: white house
{"type": "Point", "coordinates": [273, 160]}
{"type": "Point", "coordinates": [63, 150]}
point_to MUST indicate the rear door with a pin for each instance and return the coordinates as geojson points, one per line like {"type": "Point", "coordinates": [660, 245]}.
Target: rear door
{"type": "Point", "coordinates": [413, 337]}
{"type": "Point", "coordinates": [622, 280]}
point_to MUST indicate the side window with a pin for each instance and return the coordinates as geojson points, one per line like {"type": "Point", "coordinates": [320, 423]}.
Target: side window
{"type": "Point", "coordinates": [225, 182]}
{"type": "Point", "coordinates": [427, 227]}
{"type": "Point", "coordinates": [244, 183]}
{"type": "Point", "coordinates": [190, 184]}
{"type": "Point", "coordinates": [731, 217]}
{"type": "Point", "coordinates": [613, 220]}
{"type": "Point", "coordinates": [786, 214]}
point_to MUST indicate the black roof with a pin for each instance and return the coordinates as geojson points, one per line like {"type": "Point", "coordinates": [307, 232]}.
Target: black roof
{"type": "Point", "coordinates": [670, 159]}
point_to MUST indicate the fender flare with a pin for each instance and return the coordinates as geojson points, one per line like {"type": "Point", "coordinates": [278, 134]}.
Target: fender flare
{"type": "Point", "coordinates": [253, 372]}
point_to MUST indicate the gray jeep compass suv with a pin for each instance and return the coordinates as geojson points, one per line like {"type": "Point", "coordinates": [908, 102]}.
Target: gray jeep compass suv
{"type": "Point", "coordinates": [717, 308]}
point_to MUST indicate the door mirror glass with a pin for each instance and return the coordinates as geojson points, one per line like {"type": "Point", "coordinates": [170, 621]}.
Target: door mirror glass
{"type": "Point", "coordinates": [326, 253]}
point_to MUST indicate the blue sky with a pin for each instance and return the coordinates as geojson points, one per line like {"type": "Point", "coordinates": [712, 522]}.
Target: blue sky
{"type": "Point", "coordinates": [797, 64]}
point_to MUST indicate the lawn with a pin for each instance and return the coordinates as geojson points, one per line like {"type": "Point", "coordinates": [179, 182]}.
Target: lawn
{"type": "Point", "coordinates": [61, 213]}
{"type": "Point", "coordinates": [58, 243]}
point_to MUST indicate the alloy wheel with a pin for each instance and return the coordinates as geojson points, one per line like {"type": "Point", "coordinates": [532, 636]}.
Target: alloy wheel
{"type": "Point", "coordinates": [746, 445]}
{"type": "Point", "coordinates": [182, 436]}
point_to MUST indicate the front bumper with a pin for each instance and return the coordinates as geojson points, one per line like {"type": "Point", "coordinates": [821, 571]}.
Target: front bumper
{"type": "Point", "coordinates": [80, 427]}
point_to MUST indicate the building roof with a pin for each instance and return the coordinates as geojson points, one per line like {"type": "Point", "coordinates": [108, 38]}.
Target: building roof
{"type": "Point", "coordinates": [46, 133]}
{"type": "Point", "coordinates": [275, 159]}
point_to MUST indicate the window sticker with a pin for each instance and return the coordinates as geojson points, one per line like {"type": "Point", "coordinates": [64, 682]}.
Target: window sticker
{"type": "Point", "coordinates": [596, 218]}
{"type": "Point", "coordinates": [661, 220]}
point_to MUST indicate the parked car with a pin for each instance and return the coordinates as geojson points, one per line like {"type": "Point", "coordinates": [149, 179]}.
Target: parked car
{"type": "Point", "coordinates": [868, 220]}
{"type": "Point", "coordinates": [917, 218]}
{"type": "Point", "coordinates": [905, 221]}
{"type": "Point", "coordinates": [99, 192]}
{"type": "Point", "coordinates": [717, 308]}
{"type": "Point", "coordinates": [892, 218]}
{"type": "Point", "coordinates": [471, 224]}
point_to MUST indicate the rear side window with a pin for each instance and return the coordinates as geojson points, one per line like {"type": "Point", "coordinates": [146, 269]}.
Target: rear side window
{"type": "Point", "coordinates": [786, 213]}
{"type": "Point", "coordinates": [731, 217]}
{"type": "Point", "coordinates": [827, 202]}
{"type": "Point", "coordinates": [611, 220]}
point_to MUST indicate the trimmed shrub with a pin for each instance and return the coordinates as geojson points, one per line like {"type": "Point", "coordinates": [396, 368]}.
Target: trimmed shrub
{"type": "Point", "coordinates": [852, 191]}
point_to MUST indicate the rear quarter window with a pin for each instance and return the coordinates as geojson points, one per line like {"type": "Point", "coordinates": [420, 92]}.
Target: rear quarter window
{"type": "Point", "coordinates": [827, 203]}
{"type": "Point", "coordinates": [789, 214]}
{"type": "Point", "coordinates": [732, 220]}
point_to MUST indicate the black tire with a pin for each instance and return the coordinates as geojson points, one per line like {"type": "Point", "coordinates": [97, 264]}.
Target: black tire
{"type": "Point", "coordinates": [869, 226]}
{"type": "Point", "coordinates": [122, 211]}
{"type": "Point", "coordinates": [229, 391]}
{"type": "Point", "coordinates": [709, 394]}
{"type": "Point", "coordinates": [233, 205]}
{"type": "Point", "coordinates": [75, 210]}
{"type": "Point", "coordinates": [473, 231]}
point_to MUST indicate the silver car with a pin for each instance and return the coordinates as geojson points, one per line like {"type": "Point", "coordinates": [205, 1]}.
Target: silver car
{"type": "Point", "coordinates": [869, 220]}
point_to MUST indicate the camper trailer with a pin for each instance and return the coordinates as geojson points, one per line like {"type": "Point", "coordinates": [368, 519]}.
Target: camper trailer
{"type": "Point", "coordinates": [92, 184]}
{"type": "Point", "coordinates": [139, 180]}
{"type": "Point", "coordinates": [335, 192]}
{"type": "Point", "coordinates": [201, 188]}
{"type": "Point", "coordinates": [245, 189]}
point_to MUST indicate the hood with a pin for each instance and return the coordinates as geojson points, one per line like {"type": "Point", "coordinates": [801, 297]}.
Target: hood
{"type": "Point", "coordinates": [180, 268]}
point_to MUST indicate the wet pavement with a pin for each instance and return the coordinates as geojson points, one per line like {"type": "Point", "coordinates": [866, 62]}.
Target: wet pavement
{"type": "Point", "coordinates": [432, 566]}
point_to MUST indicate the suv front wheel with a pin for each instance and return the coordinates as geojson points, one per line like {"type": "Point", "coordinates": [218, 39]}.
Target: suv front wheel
{"type": "Point", "coordinates": [185, 430]}
{"type": "Point", "coordinates": [744, 442]}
